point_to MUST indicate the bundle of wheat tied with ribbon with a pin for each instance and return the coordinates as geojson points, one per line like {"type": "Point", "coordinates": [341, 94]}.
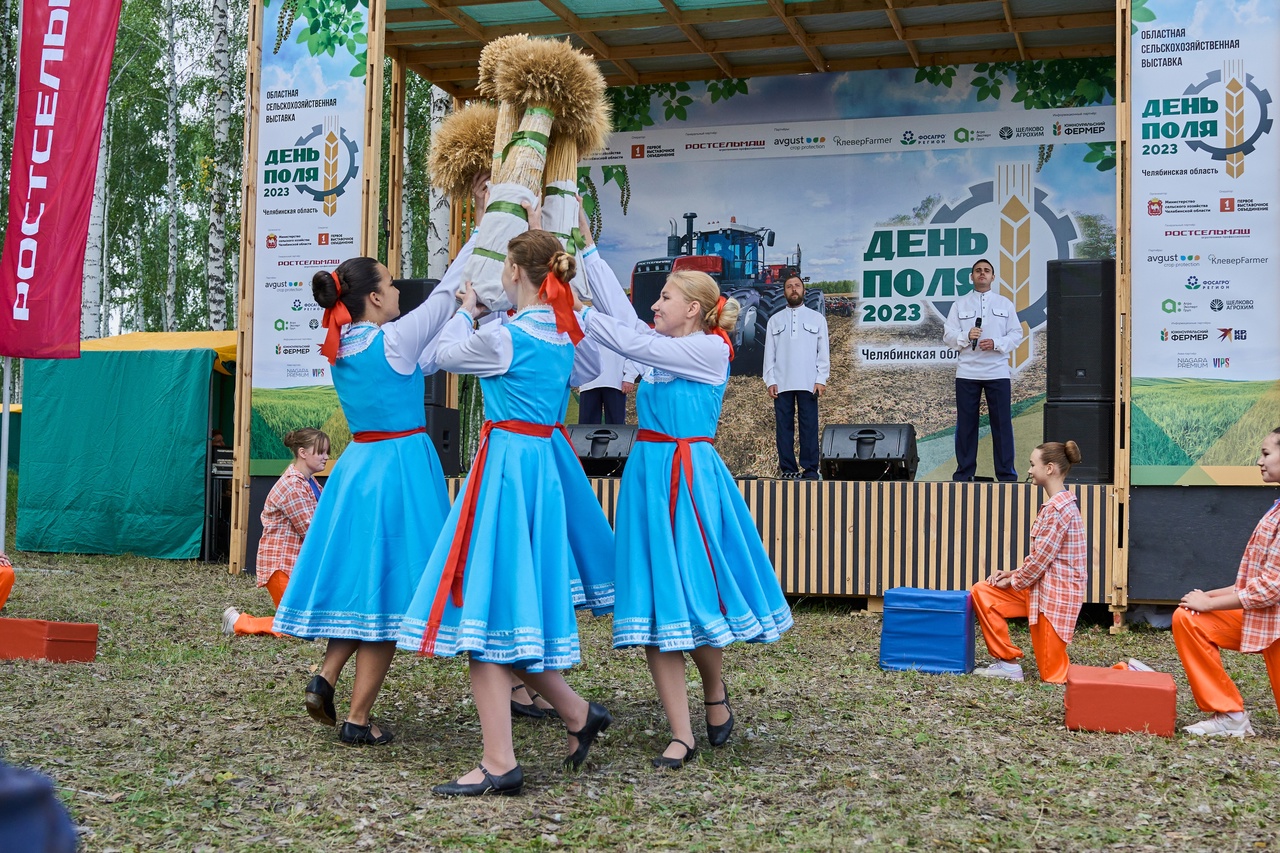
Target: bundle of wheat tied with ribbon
{"type": "Point", "coordinates": [541, 79]}
{"type": "Point", "coordinates": [461, 150]}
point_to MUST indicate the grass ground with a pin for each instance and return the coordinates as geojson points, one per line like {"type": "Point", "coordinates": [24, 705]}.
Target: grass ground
{"type": "Point", "coordinates": [177, 738]}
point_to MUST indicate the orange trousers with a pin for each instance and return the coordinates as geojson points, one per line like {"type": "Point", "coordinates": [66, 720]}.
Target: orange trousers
{"type": "Point", "coordinates": [247, 624]}
{"type": "Point", "coordinates": [994, 606]}
{"type": "Point", "coordinates": [1198, 637]}
{"type": "Point", "coordinates": [6, 583]}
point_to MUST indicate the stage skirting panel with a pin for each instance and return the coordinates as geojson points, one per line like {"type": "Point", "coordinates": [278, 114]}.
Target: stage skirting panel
{"type": "Point", "coordinates": [862, 538]}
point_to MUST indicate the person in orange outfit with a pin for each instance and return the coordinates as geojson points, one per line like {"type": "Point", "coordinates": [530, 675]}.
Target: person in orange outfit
{"type": "Point", "coordinates": [1048, 588]}
{"type": "Point", "coordinates": [286, 516]}
{"type": "Point", "coordinates": [6, 579]}
{"type": "Point", "coordinates": [1244, 618]}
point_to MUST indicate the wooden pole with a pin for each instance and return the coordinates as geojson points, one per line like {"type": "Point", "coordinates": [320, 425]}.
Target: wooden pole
{"type": "Point", "coordinates": [371, 196]}
{"type": "Point", "coordinates": [395, 166]}
{"type": "Point", "coordinates": [244, 319]}
{"type": "Point", "coordinates": [1119, 556]}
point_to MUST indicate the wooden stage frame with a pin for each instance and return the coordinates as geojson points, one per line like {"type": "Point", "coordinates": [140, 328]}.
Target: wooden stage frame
{"type": "Point", "coordinates": [825, 538]}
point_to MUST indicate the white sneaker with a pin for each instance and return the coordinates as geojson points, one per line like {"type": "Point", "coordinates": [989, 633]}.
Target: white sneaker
{"type": "Point", "coordinates": [1221, 725]}
{"type": "Point", "coordinates": [1138, 666]}
{"type": "Point", "coordinates": [1007, 670]}
{"type": "Point", "coordinates": [229, 617]}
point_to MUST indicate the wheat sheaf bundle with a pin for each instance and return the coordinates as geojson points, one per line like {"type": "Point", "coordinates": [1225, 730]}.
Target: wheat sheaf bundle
{"type": "Point", "coordinates": [537, 80]}
{"type": "Point", "coordinates": [491, 58]}
{"type": "Point", "coordinates": [461, 148]}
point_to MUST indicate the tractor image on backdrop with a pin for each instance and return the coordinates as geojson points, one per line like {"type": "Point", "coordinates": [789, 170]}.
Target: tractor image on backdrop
{"type": "Point", "coordinates": [733, 255]}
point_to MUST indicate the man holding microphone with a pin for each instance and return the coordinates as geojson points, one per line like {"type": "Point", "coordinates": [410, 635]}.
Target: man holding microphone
{"type": "Point", "coordinates": [984, 327]}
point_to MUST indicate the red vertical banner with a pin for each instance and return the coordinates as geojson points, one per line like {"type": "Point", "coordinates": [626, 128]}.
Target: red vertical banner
{"type": "Point", "coordinates": [65, 65]}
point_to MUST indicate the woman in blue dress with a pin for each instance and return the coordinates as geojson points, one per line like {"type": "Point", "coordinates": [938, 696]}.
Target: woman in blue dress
{"type": "Point", "coordinates": [385, 503]}
{"type": "Point", "coordinates": [527, 542]}
{"type": "Point", "coordinates": [693, 575]}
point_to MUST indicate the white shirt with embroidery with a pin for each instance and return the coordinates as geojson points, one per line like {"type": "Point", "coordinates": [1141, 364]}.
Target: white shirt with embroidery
{"type": "Point", "coordinates": [796, 350]}
{"type": "Point", "coordinates": [488, 352]}
{"type": "Point", "coordinates": [1000, 323]}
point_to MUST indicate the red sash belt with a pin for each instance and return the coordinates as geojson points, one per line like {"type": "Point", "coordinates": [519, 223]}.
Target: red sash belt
{"type": "Point", "coordinates": [451, 579]}
{"type": "Point", "coordinates": [366, 436]}
{"type": "Point", "coordinates": [682, 463]}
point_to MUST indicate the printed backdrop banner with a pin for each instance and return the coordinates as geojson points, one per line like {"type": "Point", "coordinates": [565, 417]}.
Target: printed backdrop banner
{"type": "Point", "coordinates": [1206, 185]}
{"type": "Point", "coordinates": [64, 67]}
{"type": "Point", "coordinates": [884, 187]}
{"type": "Point", "coordinates": [310, 130]}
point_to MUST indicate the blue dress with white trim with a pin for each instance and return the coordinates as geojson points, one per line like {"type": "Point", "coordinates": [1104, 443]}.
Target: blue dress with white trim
{"type": "Point", "coordinates": [380, 512]}
{"type": "Point", "coordinates": [540, 545]}
{"type": "Point", "coordinates": [707, 579]}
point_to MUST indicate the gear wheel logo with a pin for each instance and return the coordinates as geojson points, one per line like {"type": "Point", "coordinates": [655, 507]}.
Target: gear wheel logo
{"type": "Point", "coordinates": [1193, 283]}
{"type": "Point", "coordinates": [1262, 98]}
{"type": "Point", "coordinates": [908, 138]}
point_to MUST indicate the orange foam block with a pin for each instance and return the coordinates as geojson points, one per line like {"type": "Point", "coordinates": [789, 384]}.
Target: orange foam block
{"type": "Point", "coordinates": [1120, 700]}
{"type": "Point", "coordinates": [38, 639]}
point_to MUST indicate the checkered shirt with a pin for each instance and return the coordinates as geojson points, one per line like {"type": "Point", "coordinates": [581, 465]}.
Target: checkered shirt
{"type": "Point", "coordinates": [1055, 569]}
{"type": "Point", "coordinates": [285, 520]}
{"type": "Point", "coordinates": [1258, 584]}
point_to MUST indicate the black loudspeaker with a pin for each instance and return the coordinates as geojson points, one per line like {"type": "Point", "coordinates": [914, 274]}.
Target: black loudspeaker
{"type": "Point", "coordinates": [413, 291]}
{"type": "Point", "coordinates": [869, 452]}
{"type": "Point", "coordinates": [1080, 358]}
{"type": "Point", "coordinates": [444, 427]}
{"type": "Point", "coordinates": [1089, 425]}
{"type": "Point", "coordinates": [602, 449]}
{"type": "Point", "coordinates": [437, 389]}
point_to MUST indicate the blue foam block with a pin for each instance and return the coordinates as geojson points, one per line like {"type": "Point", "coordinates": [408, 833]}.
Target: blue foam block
{"type": "Point", "coordinates": [926, 629]}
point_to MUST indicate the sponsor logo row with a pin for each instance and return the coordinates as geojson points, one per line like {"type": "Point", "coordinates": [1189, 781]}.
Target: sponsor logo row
{"type": "Point", "coordinates": [293, 241]}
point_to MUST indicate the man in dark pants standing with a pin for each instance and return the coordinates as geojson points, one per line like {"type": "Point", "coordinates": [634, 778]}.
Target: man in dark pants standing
{"type": "Point", "coordinates": [796, 366]}
{"type": "Point", "coordinates": [984, 327]}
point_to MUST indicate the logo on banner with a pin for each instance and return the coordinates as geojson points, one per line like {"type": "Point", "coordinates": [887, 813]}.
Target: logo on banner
{"type": "Point", "coordinates": [1007, 220]}
{"type": "Point", "coordinates": [637, 152]}
{"type": "Point", "coordinates": [1233, 334]}
{"type": "Point", "coordinates": [272, 240]}
{"type": "Point", "coordinates": [322, 239]}
{"type": "Point", "coordinates": [321, 164]}
{"type": "Point", "coordinates": [1193, 283]}
{"type": "Point", "coordinates": [1155, 207]}
{"type": "Point", "coordinates": [1222, 362]}
{"type": "Point", "coordinates": [1224, 115]}
{"type": "Point", "coordinates": [1227, 205]}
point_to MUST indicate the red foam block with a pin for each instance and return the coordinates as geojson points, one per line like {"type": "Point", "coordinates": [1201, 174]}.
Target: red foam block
{"type": "Point", "coordinates": [1120, 700]}
{"type": "Point", "coordinates": [38, 639]}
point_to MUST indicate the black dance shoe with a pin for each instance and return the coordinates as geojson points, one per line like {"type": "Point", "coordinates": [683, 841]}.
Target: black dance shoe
{"type": "Point", "coordinates": [506, 785]}
{"type": "Point", "coordinates": [363, 735]}
{"type": "Point", "coordinates": [319, 701]}
{"type": "Point", "coordinates": [719, 735]}
{"type": "Point", "coordinates": [598, 719]}
{"type": "Point", "coordinates": [676, 763]}
{"type": "Point", "coordinates": [531, 710]}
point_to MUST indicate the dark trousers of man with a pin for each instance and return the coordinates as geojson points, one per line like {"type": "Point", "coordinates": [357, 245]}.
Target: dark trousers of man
{"type": "Point", "coordinates": [786, 407]}
{"type": "Point", "coordinates": [607, 403]}
{"type": "Point", "coordinates": [968, 397]}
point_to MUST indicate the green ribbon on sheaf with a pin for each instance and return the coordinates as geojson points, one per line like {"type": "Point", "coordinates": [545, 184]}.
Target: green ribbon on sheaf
{"type": "Point", "coordinates": [572, 241]}
{"type": "Point", "coordinates": [489, 253]}
{"type": "Point", "coordinates": [507, 207]}
{"type": "Point", "coordinates": [553, 190]}
{"type": "Point", "coordinates": [540, 111]}
{"type": "Point", "coordinates": [527, 139]}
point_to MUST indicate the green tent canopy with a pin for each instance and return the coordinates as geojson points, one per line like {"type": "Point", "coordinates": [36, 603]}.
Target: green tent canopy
{"type": "Point", "coordinates": [115, 445]}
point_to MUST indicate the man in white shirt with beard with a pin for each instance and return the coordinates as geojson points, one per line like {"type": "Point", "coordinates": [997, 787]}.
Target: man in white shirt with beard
{"type": "Point", "coordinates": [985, 328]}
{"type": "Point", "coordinates": [796, 367]}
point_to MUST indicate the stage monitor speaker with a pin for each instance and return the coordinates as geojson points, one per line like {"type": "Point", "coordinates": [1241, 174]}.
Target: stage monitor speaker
{"type": "Point", "coordinates": [603, 450]}
{"type": "Point", "coordinates": [413, 291]}
{"type": "Point", "coordinates": [1091, 427]}
{"type": "Point", "coordinates": [1080, 357]}
{"type": "Point", "coordinates": [444, 427]}
{"type": "Point", "coordinates": [869, 452]}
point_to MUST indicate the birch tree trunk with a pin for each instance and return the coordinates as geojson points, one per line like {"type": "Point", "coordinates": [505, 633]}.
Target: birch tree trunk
{"type": "Point", "coordinates": [438, 202]}
{"type": "Point", "coordinates": [171, 73]}
{"type": "Point", "coordinates": [92, 289]}
{"type": "Point", "coordinates": [216, 267]}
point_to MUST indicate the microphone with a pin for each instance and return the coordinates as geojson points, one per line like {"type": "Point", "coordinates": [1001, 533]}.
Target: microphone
{"type": "Point", "coordinates": [977, 324]}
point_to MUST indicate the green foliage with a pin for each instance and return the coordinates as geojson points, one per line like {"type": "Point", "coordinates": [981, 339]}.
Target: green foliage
{"type": "Point", "coordinates": [844, 285]}
{"type": "Point", "coordinates": [919, 214]}
{"type": "Point", "coordinates": [1139, 14]}
{"type": "Point", "coordinates": [326, 27]}
{"type": "Point", "coordinates": [1097, 236]}
{"type": "Point", "coordinates": [1196, 413]}
{"type": "Point", "coordinates": [938, 75]}
{"type": "Point", "coordinates": [1103, 154]}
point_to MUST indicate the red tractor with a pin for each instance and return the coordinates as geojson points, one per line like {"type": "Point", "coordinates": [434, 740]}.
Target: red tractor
{"type": "Point", "coordinates": [733, 255]}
